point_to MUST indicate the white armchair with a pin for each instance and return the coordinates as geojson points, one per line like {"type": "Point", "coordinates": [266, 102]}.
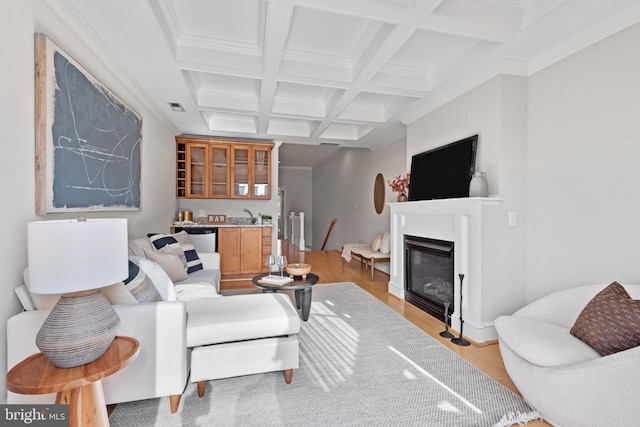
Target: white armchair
{"type": "Point", "coordinates": [566, 380]}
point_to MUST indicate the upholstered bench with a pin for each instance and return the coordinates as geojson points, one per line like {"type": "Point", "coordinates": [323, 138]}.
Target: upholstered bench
{"type": "Point", "coordinates": [379, 251]}
{"type": "Point", "coordinates": [242, 335]}
{"type": "Point", "coordinates": [369, 257]}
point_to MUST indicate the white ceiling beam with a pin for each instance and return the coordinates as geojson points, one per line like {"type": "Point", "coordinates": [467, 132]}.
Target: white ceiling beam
{"type": "Point", "coordinates": [456, 26]}
{"type": "Point", "coordinates": [389, 47]}
{"type": "Point", "coordinates": [277, 28]}
{"type": "Point", "coordinates": [375, 11]}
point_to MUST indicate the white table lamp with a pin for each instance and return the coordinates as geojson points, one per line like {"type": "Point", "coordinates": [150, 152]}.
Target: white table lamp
{"type": "Point", "coordinates": [75, 258]}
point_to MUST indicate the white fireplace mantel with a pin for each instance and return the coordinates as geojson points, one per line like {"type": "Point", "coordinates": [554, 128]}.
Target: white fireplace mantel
{"type": "Point", "coordinates": [464, 222]}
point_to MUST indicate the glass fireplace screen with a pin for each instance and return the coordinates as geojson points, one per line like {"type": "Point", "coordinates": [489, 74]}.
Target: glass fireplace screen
{"type": "Point", "coordinates": [429, 273]}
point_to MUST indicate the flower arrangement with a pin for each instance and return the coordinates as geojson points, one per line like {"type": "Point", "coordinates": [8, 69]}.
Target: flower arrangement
{"type": "Point", "coordinates": [400, 184]}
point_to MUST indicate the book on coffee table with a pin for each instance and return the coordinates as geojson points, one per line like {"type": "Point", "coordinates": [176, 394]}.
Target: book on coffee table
{"type": "Point", "coordinates": [276, 280]}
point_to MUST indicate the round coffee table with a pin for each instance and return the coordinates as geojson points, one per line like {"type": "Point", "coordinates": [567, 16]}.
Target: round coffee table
{"type": "Point", "coordinates": [302, 288]}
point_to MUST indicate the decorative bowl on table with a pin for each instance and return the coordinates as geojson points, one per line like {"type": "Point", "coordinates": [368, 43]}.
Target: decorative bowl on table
{"type": "Point", "coordinates": [297, 269]}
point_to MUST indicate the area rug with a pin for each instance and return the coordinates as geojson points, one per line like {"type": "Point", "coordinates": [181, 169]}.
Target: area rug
{"type": "Point", "coordinates": [361, 364]}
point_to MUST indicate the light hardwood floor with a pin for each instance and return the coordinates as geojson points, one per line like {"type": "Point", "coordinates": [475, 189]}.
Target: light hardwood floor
{"type": "Point", "coordinates": [331, 268]}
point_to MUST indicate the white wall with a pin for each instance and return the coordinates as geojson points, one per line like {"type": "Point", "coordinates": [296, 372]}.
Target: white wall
{"type": "Point", "coordinates": [343, 189]}
{"type": "Point", "coordinates": [583, 166]}
{"type": "Point", "coordinates": [19, 19]}
{"type": "Point", "coordinates": [496, 111]}
{"type": "Point", "coordinates": [298, 183]}
{"type": "Point", "coordinates": [562, 148]}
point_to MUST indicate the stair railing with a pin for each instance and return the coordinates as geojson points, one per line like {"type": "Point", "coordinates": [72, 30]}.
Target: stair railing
{"type": "Point", "coordinates": [297, 230]}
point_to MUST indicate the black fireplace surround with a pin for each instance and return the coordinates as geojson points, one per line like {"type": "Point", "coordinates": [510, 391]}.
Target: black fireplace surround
{"type": "Point", "coordinates": [429, 274]}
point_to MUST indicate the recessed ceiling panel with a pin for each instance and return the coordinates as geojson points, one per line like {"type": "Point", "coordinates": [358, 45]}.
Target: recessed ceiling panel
{"type": "Point", "coordinates": [371, 107]}
{"type": "Point", "coordinates": [230, 21]}
{"type": "Point", "coordinates": [318, 32]}
{"type": "Point", "coordinates": [505, 14]}
{"type": "Point", "coordinates": [424, 49]}
{"type": "Point", "coordinates": [406, 80]}
{"type": "Point", "coordinates": [303, 100]}
{"type": "Point", "coordinates": [405, 4]}
{"type": "Point", "coordinates": [222, 92]}
{"type": "Point", "coordinates": [291, 127]}
{"type": "Point", "coordinates": [228, 122]}
{"type": "Point", "coordinates": [347, 131]}
{"type": "Point", "coordinates": [241, 86]}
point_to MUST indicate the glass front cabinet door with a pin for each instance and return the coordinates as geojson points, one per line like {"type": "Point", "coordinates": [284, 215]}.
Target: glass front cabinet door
{"type": "Point", "coordinates": [215, 168]}
{"type": "Point", "coordinates": [261, 173]}
{"type": "Point", "coordinates": [197, 160]}
{"type": "Point", "coordinates": [240, 172]}
{"type": "Point", "coordinates": [219, 172]}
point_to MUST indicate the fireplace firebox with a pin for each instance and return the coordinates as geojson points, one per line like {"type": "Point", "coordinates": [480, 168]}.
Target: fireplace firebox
{"type": "Point", "coordinates": [429, 274]}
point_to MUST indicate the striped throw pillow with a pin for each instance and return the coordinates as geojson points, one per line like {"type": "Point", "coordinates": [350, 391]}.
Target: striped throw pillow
{"type": "Point", "coordinates": [182, 245]}
{"type": "Point", "coordinates": [159, 241]}
{"type": "Point", "coordinates": [194, 263]}
{"type": "Point", "coordinates": [140, 286]}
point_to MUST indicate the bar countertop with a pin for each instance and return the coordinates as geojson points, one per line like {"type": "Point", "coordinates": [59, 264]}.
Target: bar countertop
{"type": "Point", "coordinates": [188, 224]}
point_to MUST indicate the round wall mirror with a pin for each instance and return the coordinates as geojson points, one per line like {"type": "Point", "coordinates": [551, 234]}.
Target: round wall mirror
{"type": "Point", "coordinates": [379, 193]}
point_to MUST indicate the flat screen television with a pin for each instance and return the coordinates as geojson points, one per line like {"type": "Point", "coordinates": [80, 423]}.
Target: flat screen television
{"type": "Point", "coordinates": [444, 172]}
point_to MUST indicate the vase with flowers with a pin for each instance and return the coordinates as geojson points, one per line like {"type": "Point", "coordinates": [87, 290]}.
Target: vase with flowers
{"type": "Point", "coordinates": [400, 185]}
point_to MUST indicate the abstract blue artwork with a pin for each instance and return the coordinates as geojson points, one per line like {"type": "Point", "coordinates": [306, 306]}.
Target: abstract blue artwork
{"type": "Point", "coordinates": [88, 141]}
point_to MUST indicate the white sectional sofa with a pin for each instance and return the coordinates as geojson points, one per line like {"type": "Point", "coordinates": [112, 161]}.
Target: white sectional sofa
{"type": "Point", "coordinates": [161, 368]}
{"type": "Point", "coordinates": [202, 283]}
{"type": "Point", "coordinates": [186, 327]}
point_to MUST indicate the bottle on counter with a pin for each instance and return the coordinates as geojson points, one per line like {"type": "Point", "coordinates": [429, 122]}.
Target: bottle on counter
{"type": "Point", "coordinates": [259, 221]}
{"type": "Point", "coordinates": [180, 215]}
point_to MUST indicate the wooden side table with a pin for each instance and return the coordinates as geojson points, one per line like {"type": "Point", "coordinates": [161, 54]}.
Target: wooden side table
{"type": "Point", "coordinates": [80, 387]}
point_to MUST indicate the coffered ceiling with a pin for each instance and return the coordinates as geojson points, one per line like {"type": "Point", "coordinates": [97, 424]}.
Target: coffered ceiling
{"type": "Point", "coordinates": [351, 73]}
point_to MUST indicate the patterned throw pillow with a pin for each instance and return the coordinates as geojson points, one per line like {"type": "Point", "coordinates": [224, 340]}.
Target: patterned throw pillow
{"type": "Point", "coordinates": [159, 241]}
{"type": "Point", "coordinates": [182, 245]}
{"type": "Point", "coordinates": [194, 263]}
{"type": "Point", "coordinates": [140, 285]}
{"type": "Point", "coordinates": [610, 322]}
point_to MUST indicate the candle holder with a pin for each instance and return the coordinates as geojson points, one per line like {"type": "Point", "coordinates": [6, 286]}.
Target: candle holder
{"type": "Point", "coordinates": [460, 340]}
{"type": "Point", "coordinates": [446, 333]}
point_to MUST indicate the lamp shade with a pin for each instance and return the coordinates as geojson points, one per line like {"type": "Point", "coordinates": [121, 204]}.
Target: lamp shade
{"type": "Point", "coordinates": [76, 255]}
{"type": "Point", "coordinates": [69, 256]}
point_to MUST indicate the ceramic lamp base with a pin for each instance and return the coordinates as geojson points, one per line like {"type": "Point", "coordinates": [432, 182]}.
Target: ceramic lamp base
{"type": "Point", "coordinates": [79, 330]}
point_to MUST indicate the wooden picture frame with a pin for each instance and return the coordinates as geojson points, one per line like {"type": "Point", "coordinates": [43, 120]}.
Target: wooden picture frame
{"type": "Point", "coordinates": [87, 140]}
{"type": "Point", "coordinates": [379, 193]}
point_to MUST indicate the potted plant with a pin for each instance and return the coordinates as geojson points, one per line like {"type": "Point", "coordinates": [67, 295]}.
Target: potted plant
{"type": "Point", "coordinates": [266, 219]}
{"type": "Point", "coordinates": [400, 185]}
